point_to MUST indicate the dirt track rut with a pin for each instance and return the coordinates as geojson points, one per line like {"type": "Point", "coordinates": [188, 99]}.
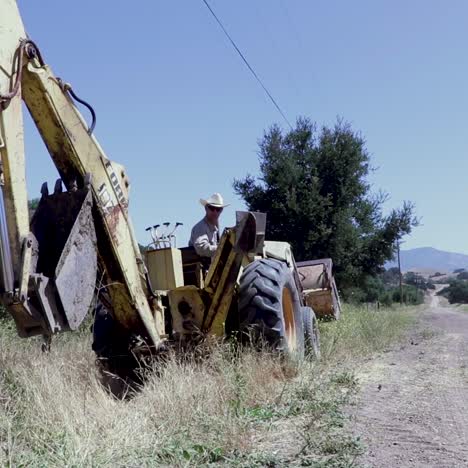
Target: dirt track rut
{"type": "Point", "coordinates": [413, 411]}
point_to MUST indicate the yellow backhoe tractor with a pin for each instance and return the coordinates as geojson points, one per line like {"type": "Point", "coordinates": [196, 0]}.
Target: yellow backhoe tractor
{"type": "Point", "coordinates": [79, 249]}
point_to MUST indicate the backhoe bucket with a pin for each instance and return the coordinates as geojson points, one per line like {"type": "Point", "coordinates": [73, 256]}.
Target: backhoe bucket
{"type": "Point", "coordinates": [65, 277]}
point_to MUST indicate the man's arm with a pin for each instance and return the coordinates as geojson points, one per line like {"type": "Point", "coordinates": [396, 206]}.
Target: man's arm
{"type": "Point", "coordinates": [200, 241]}
{"type": "Point", "coordinates": [203, 247]}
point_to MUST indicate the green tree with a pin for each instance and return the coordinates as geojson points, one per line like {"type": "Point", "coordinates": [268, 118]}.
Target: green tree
{"type": "Point", "coordinates": [411, 295]}
{"type": "Point", "coordinates": [33, 203]}
{"type": "Point", "coordinates": [32, 206]}
{"type": "Point", "coordinates": [415, 279]}
{"type": "Point", "coordinates": [391, 277]}
{"type": "Point", "coordinates": [314, 189]}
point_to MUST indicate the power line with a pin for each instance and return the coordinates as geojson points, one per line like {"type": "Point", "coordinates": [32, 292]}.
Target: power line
{"type": "Point", "coordinates": [273, 39]}
{"type": "Point", "coordinates": [247, 63]}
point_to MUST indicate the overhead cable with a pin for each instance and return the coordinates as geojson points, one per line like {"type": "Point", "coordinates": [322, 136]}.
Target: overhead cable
{"type": "Point", "coordinates": [247, 63]}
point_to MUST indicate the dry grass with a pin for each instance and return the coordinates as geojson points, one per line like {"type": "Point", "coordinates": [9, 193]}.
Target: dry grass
{"type": "Point", "coordinates": [363, 332]}
{"type": "Point", "coordinates": [460, 307]}
{"type": "Point", "coordinates": [236, 408]}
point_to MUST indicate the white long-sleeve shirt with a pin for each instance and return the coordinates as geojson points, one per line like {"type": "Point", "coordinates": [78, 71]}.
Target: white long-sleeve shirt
{"type": "Point", "coordinates": [204, 238]}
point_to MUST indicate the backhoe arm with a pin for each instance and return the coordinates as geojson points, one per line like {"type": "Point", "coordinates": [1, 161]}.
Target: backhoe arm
{"type": "Point", "coordinates": [96, 199]}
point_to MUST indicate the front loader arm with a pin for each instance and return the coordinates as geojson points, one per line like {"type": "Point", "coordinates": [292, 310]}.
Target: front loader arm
{"type": "Point", "coordinates": [82, 165]}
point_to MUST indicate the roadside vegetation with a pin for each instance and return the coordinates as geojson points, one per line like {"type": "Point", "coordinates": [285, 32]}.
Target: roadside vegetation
{"type": "Point", "coordinates": [384, 289]}
{"type": "Point", "coordinates": [313, 183]}
{"type": "Point", "coordinates": [233, 407]}
{"type": "Point", "coordinates": [457, 291]}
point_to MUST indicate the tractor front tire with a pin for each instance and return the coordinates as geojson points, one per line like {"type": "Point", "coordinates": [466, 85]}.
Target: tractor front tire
{"type": "Point", "coordinates": [269, 307]}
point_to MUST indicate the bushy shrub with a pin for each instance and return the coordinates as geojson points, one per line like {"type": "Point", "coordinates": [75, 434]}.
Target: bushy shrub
{"type": "Point", "coordinates": [456, 292]}
{"type": "Point", "coordinates": [374, 289]}
{"type": "Point", "coordinates": [417, 280]}
{"type": "Point", "coordinates": [387, 299]}
{"type": "Point", "coordinates": [353, 295]}
{"type": "Point", "coordinates": [411, 295]}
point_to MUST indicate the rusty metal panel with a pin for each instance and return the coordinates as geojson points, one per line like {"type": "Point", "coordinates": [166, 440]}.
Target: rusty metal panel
{"type": "Point", "coordinates": [75, 275]}
{"type": "Point", "coordinates": [313, 276]}
{"type": "Point", "coordinates": [319, 286]}
{"type": "Point", "coordinates": [321, 302]}
{"type": "Point", "coordinates": [64, 228]}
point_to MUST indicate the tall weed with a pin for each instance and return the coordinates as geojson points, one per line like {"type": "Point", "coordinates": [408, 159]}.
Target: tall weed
{"type": "Point", "coordinates": [236, 407]}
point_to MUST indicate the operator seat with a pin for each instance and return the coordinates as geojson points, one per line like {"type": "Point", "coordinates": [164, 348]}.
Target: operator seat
{"type": "Point", "coordinates": [194, 267]}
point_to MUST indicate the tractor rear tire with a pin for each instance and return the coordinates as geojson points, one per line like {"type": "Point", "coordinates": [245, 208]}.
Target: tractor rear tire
{"type": "Point", "coordinates": [311, 333]}
{"type": "Point", "coordinates": [269, 307]}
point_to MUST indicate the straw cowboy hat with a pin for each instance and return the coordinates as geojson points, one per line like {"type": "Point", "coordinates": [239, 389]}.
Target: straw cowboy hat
{"type": "Point", "coordinates": [215, 200]}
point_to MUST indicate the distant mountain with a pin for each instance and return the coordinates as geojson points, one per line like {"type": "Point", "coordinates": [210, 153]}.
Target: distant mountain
{"type": "Point", "coordinates": [429, 259]}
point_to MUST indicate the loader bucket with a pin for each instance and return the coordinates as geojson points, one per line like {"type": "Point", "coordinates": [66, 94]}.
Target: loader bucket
{"type": "Point", "coordinates": [67, 258]}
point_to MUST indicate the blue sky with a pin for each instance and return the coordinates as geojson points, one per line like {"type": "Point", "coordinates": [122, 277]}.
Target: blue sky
{"type": "Point", "coordinates": [178, 108]}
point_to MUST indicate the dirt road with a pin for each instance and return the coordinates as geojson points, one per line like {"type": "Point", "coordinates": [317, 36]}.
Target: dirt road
{"type": "Point", "coordinates": [413, 411]}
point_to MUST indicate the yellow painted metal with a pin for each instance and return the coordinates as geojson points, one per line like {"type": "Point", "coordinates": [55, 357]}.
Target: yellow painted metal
{"type": "Point", "coordinates": [208, 315]}
{"type": "Point", "coordinates": [29, 246]}
{"type": "Point", "coordinates": [165, 268]}
{"type": "Point", "coordinates": [279, 250]}
{"type": "Point", "coordinates": [194, 313]}
{"type": "Point", "coordinates": [221, 282]}
{"type": "Point", "coordinates": [11, 135]}
{"type": "Point", "coordinates": [288, 317]}
{"type": "Point", "coordinates": [220, 312]}
{"type": "Point", "coordinates": [211, 280]}
{"type": "Point", "coordinates": [75, 154]}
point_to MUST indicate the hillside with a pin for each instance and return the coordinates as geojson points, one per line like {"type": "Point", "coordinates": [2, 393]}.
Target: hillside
{"type": "Point", "coordinates": [428, 259]}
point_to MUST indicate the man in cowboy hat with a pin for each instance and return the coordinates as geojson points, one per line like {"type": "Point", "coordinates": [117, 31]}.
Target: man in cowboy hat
{"type": "Point", "coordinates": [205, 234]}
